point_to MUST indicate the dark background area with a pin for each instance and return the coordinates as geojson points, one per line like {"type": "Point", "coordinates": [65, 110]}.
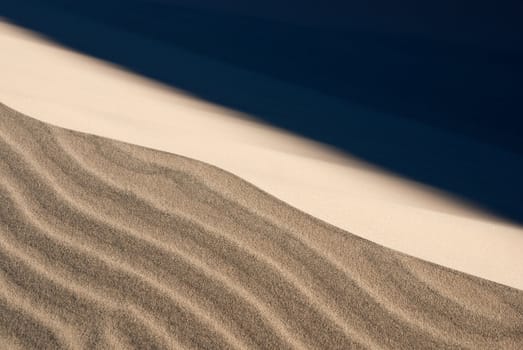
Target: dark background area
{"type": "Point", "coordinates": [454, 69]}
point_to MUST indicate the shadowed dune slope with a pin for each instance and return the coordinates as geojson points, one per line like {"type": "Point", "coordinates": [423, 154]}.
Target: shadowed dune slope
{"type": "Point", "coordinates": [109, 245]}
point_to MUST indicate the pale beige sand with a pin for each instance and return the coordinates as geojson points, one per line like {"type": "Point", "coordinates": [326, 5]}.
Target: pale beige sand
{"type": "Point", "coordinates": [80, 93]}
{"type": "Point", "coordinates": [109, 245]}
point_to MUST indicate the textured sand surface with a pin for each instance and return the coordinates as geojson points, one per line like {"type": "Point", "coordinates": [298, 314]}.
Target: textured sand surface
{"type": "Point", "coordinates": [77, 92]}
{"type": "Point", "coordinates": [109, 245]}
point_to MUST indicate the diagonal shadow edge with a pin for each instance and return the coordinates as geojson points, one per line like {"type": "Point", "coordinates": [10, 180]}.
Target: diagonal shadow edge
{"type": "Point", "coordinates": [483, 174]}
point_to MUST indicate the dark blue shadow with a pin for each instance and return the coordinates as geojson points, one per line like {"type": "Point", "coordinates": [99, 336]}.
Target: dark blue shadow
{"type": "Point", "coordinates": [433, 92]}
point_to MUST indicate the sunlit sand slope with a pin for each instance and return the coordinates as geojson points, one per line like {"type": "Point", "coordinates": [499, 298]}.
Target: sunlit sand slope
{"type": "Point", "coordinates": [109, 245]}
{"type": "Point", "coordinates": [77, 92]}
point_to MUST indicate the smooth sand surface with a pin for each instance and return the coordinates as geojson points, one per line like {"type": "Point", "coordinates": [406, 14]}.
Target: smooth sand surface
{"type": "Point", "coordinates": [70, 90]}
{"type": "Point", "coordinates": [109, 245]}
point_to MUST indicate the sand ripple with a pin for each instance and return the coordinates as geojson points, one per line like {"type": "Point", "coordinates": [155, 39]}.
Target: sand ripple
{"type": "Point", "coordinates": [110, 245]}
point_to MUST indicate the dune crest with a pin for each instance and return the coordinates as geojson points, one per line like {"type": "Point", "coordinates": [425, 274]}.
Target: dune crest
{"type": "Point", "coordinates": [95, 97]}
{"type": "Point", "coordinates": [109, 245]}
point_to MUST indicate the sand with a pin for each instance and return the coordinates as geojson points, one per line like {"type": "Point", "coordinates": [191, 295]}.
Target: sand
{"type": "Point", "coordinates": [104, 244]}
{"type": "Point", "coordinates": [84, 94]}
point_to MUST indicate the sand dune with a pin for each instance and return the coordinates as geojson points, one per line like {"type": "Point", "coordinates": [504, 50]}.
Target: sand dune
{"type": "Point", "coordinates": [78, 92]}
{"type": "Point", "coordinates": [109, 245]}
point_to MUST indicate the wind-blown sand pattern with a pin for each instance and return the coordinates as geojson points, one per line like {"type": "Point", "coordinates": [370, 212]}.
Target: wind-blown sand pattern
{"type": "Point", "coordinates": [109, 245]}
